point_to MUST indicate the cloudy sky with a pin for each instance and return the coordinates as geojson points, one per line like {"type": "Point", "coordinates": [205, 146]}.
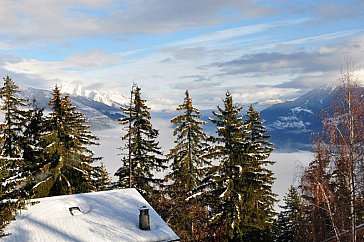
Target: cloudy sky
{"type": "Point", "coordinates": [261, 51]}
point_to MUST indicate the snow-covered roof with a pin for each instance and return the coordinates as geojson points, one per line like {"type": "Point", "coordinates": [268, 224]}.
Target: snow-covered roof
{"type": "Point", "coordinates": [104, 216]}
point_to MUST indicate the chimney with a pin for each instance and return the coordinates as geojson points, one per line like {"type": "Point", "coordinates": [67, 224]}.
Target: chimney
{"type": "Point", "coordinates": [144, 222]}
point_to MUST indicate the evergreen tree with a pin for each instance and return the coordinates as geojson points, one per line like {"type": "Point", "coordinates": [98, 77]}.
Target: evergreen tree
{"type": "Point", "coordinates": [12, 166]}
{"type": "Point", "coordinates": [223, 189]}
{"type": "Point", "coordinates": [258, 179]}
{"type": "Point", "coordinates": [102, 178]}
{"type": "Point", "coordinates": [81, 138]}
{"type": "Point", "coordinates": [191, 144]}
{"type": "Point", "coordinates": [144, 155]}
{"type": "Point", "coordinates": [14, 118]}
{"type": "Point", "coordinates": [68, 166]}
{"type": "Point", "coordinates": [290, 218]}
{"type": "Point", "coordinates": [32, 146]}
{"type": "Point", "coordinates": [238, 191]}
{"type": "Point", "coordinates": [188, 218]}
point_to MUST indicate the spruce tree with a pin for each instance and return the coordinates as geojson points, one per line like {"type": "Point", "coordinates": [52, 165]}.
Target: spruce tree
{"type": "Point", "coordinates": [259, 179]}
{"type": "Point", "coordinates": [14, 118]}
{"type": "Point", "coordinates": [12, 166]}
{"type": "Point", "coordinates": [188, 218]}
{"type": "Point", "coordinates": [68, 166]}
{"type": "Point", "coordinates": [56, 180]}
{"type": "Point", "coordinates": [144, 156]}
{"type": "Point", "coordinates": [32, 146]}
{"type": "Point", "coordinates": [187, 156]}
{"type": "Point", "coordinates": [101, 177]}
{"type": "Point", "coordinates": [290, 219]}
{"type": "Point", "coordinates": [238, 190]}
{"type": "Point", "coordinates": [81, 138]}
{"type": "Point", "coordinates": [223, 190]}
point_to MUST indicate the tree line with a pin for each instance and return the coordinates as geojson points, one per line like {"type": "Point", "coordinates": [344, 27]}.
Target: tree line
{"type": "Point", "coordinates": [219, 187]}
{"type": "Point", "coordinates": [222, 182]}
{"type": "Point", "coordinates": [216, 187]}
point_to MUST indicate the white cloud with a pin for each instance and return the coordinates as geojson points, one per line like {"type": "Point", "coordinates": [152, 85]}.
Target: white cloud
{"type": "Point", "coordinates": [34, 23]}
{"type": "Point", "coordinates": [91, 60]}
{"type": "Point", "coordinates": [164, 16]}
{"type": "Point", "coordinates": [231, 33]}
{"type": "Point", "coordinates": [163, 83]}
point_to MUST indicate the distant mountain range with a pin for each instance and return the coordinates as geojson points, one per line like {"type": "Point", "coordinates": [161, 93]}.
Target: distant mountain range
{"type": "Point", "coordinates": [291, 124]}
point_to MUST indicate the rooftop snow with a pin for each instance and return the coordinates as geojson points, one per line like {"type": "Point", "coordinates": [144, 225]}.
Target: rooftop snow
{"type": "Point", "coordinates": [105, 216]}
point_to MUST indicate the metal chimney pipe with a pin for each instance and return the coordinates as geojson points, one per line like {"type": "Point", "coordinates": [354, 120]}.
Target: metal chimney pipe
{"type": "Point", "coordinates": [144, 221]}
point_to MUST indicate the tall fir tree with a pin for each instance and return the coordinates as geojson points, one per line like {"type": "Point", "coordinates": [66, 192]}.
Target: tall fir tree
{"type": "Point", "coordinates": [290, 219]}
{"type": "Point", "coordinates": [12, 166]}
{"type": "Point", "coordinates": [81, 139]}
{"type": "Point", "coordinates": [259, 179]}
{"type": "Point", "coordinates": [223, 190]}
{"type": "Point", "coordinates": [187, 159]}
{"type": "Point", "coordinates": [14, 118]}
{"type": "Point", "coordinates": [32, 145]}
{"type": "Point", "coordinates": [187, 156]}
{"type": "Point", "coordinates": [144, 156]}
{"type": "Point", "coordinates": [238, 191]}
{"type": "Point", "coordinates": [68, 167]}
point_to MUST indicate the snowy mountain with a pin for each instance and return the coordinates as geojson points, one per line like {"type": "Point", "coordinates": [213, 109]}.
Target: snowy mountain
{"type": "Point", "coordinates": [100, 115]}
{"type": "Point", "coordinates": [111, 99]}
{"type": "Point", "coordinates": [293, 124]}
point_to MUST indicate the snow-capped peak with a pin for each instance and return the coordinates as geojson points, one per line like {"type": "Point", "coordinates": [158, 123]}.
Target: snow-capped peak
{"type": "Point", "coordinates": [114, 99]}
{"type": "Point", "coordinates": [72, 89]}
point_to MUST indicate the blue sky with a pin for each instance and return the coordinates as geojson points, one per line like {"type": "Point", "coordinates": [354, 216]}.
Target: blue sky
{"type": "Point", "coordinates": [261, 51]}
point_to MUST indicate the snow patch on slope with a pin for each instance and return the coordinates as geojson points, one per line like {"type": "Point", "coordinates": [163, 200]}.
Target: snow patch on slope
{"type": "Point", "coordinates": [291, 122]}
{"type": "Point", "coordinates": [299, 109]}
